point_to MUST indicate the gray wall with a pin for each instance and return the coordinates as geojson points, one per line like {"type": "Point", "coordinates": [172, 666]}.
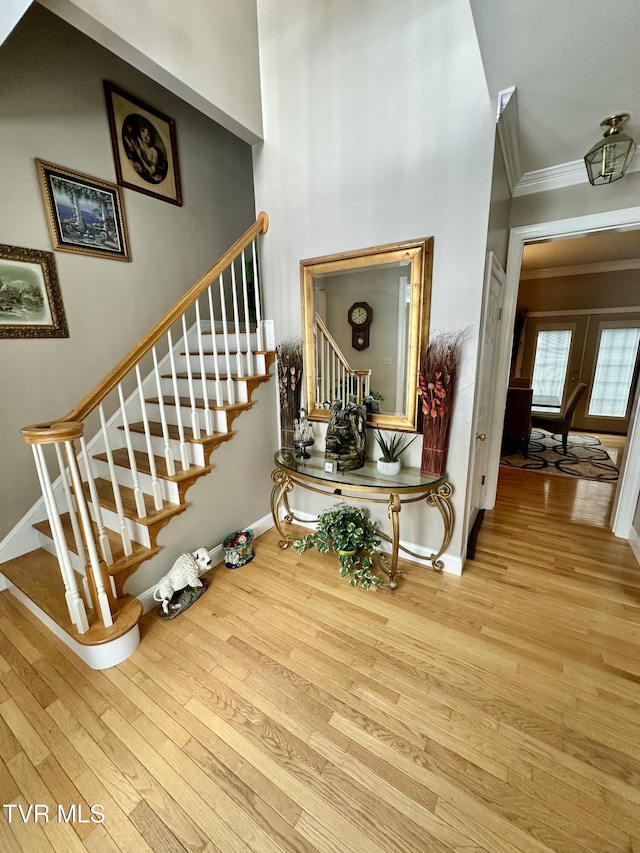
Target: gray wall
{"type": "Point", "coordinates": [581, 292]}
{"type": "Point", "coordinates": [52, 107]}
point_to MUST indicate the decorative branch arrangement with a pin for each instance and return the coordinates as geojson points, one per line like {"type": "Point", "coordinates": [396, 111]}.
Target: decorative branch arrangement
{"type": "Point", "coordinates": [436, 384]}
{"type": "Point", "coordinates": [289, 387]}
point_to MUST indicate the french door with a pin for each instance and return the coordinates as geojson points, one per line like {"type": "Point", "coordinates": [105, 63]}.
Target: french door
{"type": "Point", "coordinates": [598, 349]}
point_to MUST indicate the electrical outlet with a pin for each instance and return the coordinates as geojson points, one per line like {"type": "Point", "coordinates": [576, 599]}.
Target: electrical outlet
{"type": "Point", "coordinates": [386, 359]}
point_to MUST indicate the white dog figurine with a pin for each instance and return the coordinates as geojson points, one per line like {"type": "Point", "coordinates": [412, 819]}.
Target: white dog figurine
{"type": "Point", "coordinates": [185, 572]}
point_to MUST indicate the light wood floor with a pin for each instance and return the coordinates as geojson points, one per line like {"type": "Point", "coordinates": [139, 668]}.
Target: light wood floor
{"type": "Point", "coordinates": [287, 712]}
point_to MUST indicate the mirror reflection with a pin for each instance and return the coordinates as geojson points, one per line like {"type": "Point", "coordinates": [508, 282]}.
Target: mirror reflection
{"type": "Point", "coordinates": [364, 317]}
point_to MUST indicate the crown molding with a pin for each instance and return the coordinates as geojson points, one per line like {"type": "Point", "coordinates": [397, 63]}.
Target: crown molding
{"type": "Point", "coordinates": [582, 269]}
{"type": "Point", "coordinates": [509, 135]}
{"type": "Point", "coordinates": [563, 175]}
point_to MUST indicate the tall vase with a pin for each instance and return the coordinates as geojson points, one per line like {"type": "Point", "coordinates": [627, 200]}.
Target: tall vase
{"type": "Point", "coordinates": [434, 460]}
{"type": "Point", "coordinates": [289, 387]}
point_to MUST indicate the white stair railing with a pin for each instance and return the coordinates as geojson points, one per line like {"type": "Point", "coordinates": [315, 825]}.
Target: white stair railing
{"type": "Point", "coordinates": [336, 379]}
{"type": "Point", "coordinates": [126, 456]}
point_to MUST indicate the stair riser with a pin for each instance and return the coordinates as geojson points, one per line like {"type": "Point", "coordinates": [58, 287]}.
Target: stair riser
{"type": "Point", "coordinates": [207, 342]}
{"type": "Point", "coordinates": [196, 453]}
{"type": "Point", "coordinates": [240, 389]}
{"type": "Point", "coordinates": [171, 414]}
{"type": "Point", "coordinates": [168, 489]}
{"type": "Point", "coordinates": [209, 364]}
{"type": "Point", "coordinates": [137, 532]}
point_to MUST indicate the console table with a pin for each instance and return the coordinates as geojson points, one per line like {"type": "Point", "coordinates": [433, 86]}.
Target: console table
{"type": "Point", "coordinates": [366, 485]}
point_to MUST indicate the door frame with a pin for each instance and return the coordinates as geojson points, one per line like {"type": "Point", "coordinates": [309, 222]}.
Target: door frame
{"type": "Point", "coordinates": [629, 481]}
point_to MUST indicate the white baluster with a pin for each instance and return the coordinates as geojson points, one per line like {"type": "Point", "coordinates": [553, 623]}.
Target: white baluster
{"type": "Point", "coordinates": [184, 449]}
{"type": "Point", "coordinates": [247, 323]}
{"type": "Point", "coordinates": [208, 414]}
{"type": "Point", "coordinates": [124, 531]}
{"type": "Point", "coordinates": [75, 604]}
{"type": "Point", "coordinates": [94, 560]}
{"type": "Point", "coordinates": [168, 455]}
{"type": "Point", "coordinates": [231, 398]}
{"type": "Point", "coordinates": [195, 423]}
{"type": "Point", "coordinates": [236, 319]}
{"type": "Point", "coordinates": [137, 491]}
{"type": "Point", "coordinates": [155, 482]}
{"type": "Point", "coordinates": [256, 287]}
{"type": "Point", "coordinates": [103, 539]}
{"type": "Point", "coordinates": [73, 518]}
{"type": "Point", "coordinates": [216, 365]}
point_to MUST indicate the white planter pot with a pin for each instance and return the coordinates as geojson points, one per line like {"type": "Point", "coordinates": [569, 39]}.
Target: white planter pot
{"type": "Point", "coordinates": [388, 467]}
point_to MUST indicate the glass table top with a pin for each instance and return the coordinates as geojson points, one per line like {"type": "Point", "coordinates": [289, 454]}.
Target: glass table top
{"type": "Point", "coordinates": [367, 477]}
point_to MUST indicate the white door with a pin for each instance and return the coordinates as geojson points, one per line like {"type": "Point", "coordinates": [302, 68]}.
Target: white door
{"type": "Point", "coordinates": [486, 377]}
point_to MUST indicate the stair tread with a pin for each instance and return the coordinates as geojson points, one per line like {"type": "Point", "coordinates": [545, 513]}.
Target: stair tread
{"type": "Point", "coordinates": [37, 575]}
{"type": "Point", "coordinates": [155, 428]}
{"type": "Point", "coordinates": [199, 401]}
{"type": "Point", "coordinates": [107, 500]}
{"type": "Point", "coordinates": [212, 376]}
{"type": "Point", "coordinates": [121, 458]}
{"type": "Point", "coordinates": [120, 560]}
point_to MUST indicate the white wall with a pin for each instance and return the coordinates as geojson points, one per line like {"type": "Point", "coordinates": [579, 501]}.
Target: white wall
{"type": "Point", "coordinates": [204, 52]}
{"type": "Point", "coordinates": [54, 108]}
{"type": "Point", "coordinates": [378, 128]}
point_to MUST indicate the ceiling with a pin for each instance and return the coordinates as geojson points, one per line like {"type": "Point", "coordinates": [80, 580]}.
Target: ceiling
{"type": "Point", "coordinates": [574, 62]}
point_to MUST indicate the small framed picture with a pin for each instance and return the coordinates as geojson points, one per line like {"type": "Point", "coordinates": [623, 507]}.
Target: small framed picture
{"type": "Point", "coordinates": [330, 467]}
{"type": "Point", "coordinates": [145, 148]}
{"type": "Point", "coordinates": [30, 298]}
{"type": "Point", "coordinates": [84, 214]}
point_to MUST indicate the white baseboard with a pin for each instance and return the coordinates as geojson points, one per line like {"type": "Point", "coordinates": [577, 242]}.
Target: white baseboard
{"type": "Point", "coordinates": [634, 542]}
{"type": "Point", "coordinates": [217, 556]}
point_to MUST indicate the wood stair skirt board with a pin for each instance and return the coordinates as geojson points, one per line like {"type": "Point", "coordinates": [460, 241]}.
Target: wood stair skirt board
{"type": "Point", "coordinates": [34, 577]}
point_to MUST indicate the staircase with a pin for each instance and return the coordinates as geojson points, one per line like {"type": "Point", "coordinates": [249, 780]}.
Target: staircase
{"type": "Point", "coordinates": [105, 501]}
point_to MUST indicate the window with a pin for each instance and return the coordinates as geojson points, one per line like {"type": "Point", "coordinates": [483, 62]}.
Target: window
{"type": "Point", "coordinates": [550, 366]}
{"type": "Point", "coordinates": [615, 366]}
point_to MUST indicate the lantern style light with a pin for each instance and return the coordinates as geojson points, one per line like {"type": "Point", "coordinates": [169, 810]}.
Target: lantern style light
{"type": "Point", "coordinates": [607, 161]}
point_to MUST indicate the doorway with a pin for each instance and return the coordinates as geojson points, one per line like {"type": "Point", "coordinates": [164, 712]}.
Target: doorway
{"type": "Point", "coordinates": [629, 482]}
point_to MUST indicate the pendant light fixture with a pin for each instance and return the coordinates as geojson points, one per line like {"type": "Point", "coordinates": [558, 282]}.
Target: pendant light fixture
{"type": "Point", "coordinates": [608, 159]}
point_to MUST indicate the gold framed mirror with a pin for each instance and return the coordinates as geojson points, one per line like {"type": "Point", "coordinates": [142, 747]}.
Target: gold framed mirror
{"type": "Point", "coordinates": [365, 321]}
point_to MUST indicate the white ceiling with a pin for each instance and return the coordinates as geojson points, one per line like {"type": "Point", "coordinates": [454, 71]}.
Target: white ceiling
{"type": "Point", "coordinates": [573, 62]}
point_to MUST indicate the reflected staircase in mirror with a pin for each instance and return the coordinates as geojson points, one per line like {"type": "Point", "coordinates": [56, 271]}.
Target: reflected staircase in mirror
{"type": "Point", "coordinates": [335, 378]}
{"type": "Point", "coordinates": [155, 418]}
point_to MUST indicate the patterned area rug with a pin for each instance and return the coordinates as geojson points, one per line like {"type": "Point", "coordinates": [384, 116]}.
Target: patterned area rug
{"type": "Point", "coordinates": [585, 457]}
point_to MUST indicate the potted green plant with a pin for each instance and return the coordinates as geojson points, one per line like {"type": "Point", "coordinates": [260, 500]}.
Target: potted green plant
{"type": "Point", "coordinates": [391, 448]}
{"type": "Point", "coordinates": [351, 534]}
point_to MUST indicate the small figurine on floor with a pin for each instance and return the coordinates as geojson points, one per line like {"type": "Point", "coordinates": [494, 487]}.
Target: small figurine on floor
{"type": "Point", "coordinates": [182, 585]}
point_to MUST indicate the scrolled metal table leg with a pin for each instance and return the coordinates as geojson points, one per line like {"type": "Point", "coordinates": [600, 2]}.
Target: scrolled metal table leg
{"type": "Point", "coordinates": [279, 497]}
{"type": "Point", "coordinates": [440, 499]}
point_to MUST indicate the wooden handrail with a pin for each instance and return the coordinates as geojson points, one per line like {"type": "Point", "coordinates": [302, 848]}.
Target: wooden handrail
{"type": "Point", "coordinates": [332, 343]}
{"type": "Point", "coordinates": [100, 391]}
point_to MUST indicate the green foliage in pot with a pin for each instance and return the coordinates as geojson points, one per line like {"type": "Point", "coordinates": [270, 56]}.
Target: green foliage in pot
{"type": "Point", "coordinates": [349, 532]}
{"type": "Point", "coordinates": [391, 448]}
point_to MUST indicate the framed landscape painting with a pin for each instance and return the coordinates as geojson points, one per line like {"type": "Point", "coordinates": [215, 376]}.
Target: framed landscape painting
{"type": "Point", "coordinates": [30, 298]}
{"type": "Point", "coordinates": [145, 148]}
{"type": "Point", "coordinates": [84, 214]}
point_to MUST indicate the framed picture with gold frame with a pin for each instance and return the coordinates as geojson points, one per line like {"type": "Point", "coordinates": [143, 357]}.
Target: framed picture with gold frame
{"type": "Point", "coordinates": [30, 298]}
{"type": "Point", "coordinates": [84, 214]}
{"type": "Point", "coordinates": [145, 146]}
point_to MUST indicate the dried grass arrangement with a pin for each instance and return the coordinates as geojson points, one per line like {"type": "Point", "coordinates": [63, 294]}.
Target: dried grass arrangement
{"type": "Point", "coordinates": [436, 384]}
{"type": "Point", "coordinates": [289, 387]}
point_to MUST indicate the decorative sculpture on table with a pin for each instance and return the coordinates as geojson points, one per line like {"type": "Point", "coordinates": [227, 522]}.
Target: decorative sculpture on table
{"type": "Point", "coordinates": [346, 437]}
{"type": "Point", "coordinates": [302, 435]}
{"type": "Point", "coordinates": [182, 585]}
